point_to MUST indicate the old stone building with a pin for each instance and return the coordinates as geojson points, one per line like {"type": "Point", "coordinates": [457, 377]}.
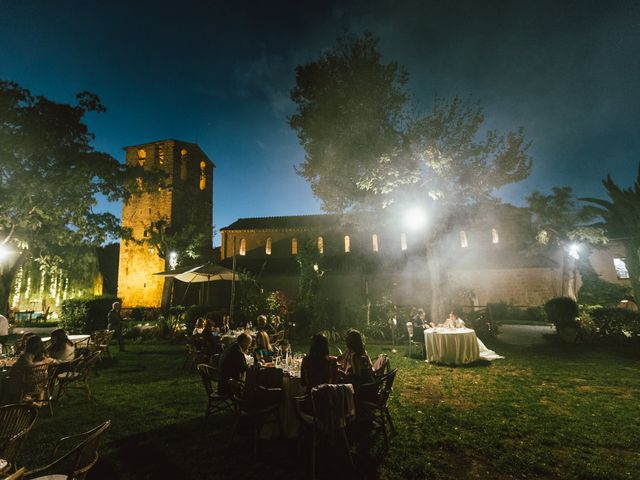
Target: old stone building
{"type": "Point", "coordinates": [489, 257]}
{"type": "Point", "coordinates": [186, 199]}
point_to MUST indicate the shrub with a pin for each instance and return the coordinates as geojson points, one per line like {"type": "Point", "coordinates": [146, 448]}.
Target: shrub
{"type": "Point", "coordinates": [562, 312]}
{"type": "Point", "coordinates": [84, 315]}
{"type": "Point", "coordinates": [615, 323]}
{"type": "Point", "coordinates": [486, 325]}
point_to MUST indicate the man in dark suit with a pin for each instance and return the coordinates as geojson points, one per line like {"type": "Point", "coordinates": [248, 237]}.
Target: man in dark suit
{"type": "Point", "coordinates": [233, 362]}
{"type": "Point", "coordinates": [115, 323]}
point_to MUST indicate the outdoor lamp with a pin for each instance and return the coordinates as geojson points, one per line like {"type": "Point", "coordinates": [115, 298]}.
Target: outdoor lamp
{"type": "Point", "coordinates": [574, 251]}
{"type": "Point", "coordinates": [415, 218]}
{"type": "Point", "coordinates": [4, 252]}
{"type": "Point", "coordinates": [173, 260]}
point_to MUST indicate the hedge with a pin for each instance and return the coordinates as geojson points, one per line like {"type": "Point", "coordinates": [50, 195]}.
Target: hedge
{"type": "Point", "coordinates": [85, 315]}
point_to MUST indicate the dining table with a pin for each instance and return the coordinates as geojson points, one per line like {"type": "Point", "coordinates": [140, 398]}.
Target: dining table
{"type": "Point", "coordinates": [451, 346]}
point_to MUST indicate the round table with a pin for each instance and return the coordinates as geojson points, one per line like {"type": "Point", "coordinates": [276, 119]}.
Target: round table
{"type": "Point", "coordinates": [451, 346]}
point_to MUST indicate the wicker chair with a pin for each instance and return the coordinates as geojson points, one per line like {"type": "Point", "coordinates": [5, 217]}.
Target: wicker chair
{"type": "Point", "coordinates": [308, 410]}
{"type": "Point", "coordinates": [36, 386]}
{"type": "Point", "coordinates": [82, 456]}
{"type": "Point", "coordinates": [77, 374]}
{"type": "Point", "coordinates": [216, 403]}
{"type": "Point", "coordinates": [18, 475]}
{"type": "Point", "coordinates": [372, 400]}
{"type": "Point", "coordinates": [381, 366]}
{"type": "Point", "coordinates": [254, 406]}
{"type": "Point", "coordinates": [15, 422]}
{"type": "Point", "coordinates": [99, 342]}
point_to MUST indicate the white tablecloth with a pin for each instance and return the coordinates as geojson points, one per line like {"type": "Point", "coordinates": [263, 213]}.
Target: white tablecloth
{"type": "Point", "coordinates": [457, 346]}
{"type": "Point", "coordinates": [74, 338]}
{"type": "Point", "coordinates": [291, 387]}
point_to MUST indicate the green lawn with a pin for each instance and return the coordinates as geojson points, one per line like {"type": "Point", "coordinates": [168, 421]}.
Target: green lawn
{"type": "Point", "coordinates": [543, 412]}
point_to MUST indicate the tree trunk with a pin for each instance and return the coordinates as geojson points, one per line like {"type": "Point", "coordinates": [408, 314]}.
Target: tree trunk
{"type": "Point", "coordinates": [167, 289]}
{"type": "Point", "coordinates": [569, 277]}
{"type": "Point", "coordinates": [437, 305]}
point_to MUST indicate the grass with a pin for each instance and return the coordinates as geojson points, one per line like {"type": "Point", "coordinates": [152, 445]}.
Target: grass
{"type": "Point", "coordinates": [544, 412]}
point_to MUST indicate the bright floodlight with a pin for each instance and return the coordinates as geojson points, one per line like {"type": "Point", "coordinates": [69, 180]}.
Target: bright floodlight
{"type": "Point", "coordinates": [574, 249]}
{"type": "Point", "coordinates": [4, 252]}
{"type": "Point", "coordinates": [415, 218]}
{"type": "Point", "coordinates": [173, 260]}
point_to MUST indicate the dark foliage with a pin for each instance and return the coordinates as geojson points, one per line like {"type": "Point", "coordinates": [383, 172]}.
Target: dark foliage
{"type": "Point", "coordinates": [562, 312]}
{"type": "Point", "coordinates": [84, 315]}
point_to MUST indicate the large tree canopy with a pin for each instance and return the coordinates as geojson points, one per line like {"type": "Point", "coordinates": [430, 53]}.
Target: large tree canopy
{"type": "Point", "coordinates": [50, 175]}
{"type": "Point", "coordinates": [366, 148]}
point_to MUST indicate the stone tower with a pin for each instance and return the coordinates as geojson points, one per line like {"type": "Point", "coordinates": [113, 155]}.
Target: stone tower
{"type": "Point", "coordinates": [187, 199]}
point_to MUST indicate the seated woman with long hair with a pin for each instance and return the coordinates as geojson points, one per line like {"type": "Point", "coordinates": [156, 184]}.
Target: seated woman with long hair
{"type": "Point", "coordinates": [19, 374]}
{"type": "Point", "coordinates": [318, 367]}
{"type": "Point", "coordinates": [264, 350]}
{"type": "Point", "coordinates": [61, 348]}
{"type": "Point", "coordinates": [355, 363]}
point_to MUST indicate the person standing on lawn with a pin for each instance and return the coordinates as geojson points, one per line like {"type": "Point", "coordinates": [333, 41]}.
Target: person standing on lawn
{"type": "Point", "coordinates": [115, 323]}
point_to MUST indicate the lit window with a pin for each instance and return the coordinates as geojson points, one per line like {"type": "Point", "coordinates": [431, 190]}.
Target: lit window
{"type": "Point", "coordinates": [142, 156]}
{"type": "Point", "coordinates": [267, 246]}
{"type": "Point", "coordinates": [183, 153]}
{"type": "Point", "coordinates": [403, 241]}
{"type": "Point", "coordinates": [320, 245]}
{"type": "Point", "coordinates": [463, 239]}
{"type": "Point", "coordinates": [621, 268]}
{"type": "Point", "coordinates": [494, 236]}
{"type": "Point", "coordinates": [203, 175]}
{"type": "Point", "coordinates": [243, 246]}
{"type": "Point", "coordinates": [347, 244]}
{"type": "Point", "coordinates": [374, 239]}
{"type": "Point", "coordinates": [294, 246]}
{"type": "Point", "coordinates": [161, 154]}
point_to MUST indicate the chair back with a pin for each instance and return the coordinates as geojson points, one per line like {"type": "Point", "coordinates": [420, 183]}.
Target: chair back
{"type": "Point", "coordinates": [208, 374]}
{"type": "Point", "coordinates": [333, 406]}
{"type": "Point", "coordinates": [410, 330]}
{"type": "Point", "coordinates": [18, 475]}
{"type": "Point", "coordinates": [265, 377]}
{"type": "Point", "coordinates": [387, 387]}
{"type": "Point", "coordinates": [15, 422]}
{"type": "Point", "coordinates": [79, 460]}
{"type": "Point", "coordinates": [35, 380]}
{"type": "Point", "coordinates": [381, 365]}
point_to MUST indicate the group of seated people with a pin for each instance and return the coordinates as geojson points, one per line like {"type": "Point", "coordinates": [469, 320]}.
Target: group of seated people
{"type": "Point", "coordinates": [318, 367]}
{"type": "Point", "coordinates": [60, 350]}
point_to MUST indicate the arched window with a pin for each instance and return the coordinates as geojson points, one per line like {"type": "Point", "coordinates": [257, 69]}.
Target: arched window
{"type": "Point", "coordinates": [243, 246]}
{"type": "Point", "coordinates": [494, 236]}
{"type": "Point", "coordinates": [403, 241]}
{"type": "Point", "coordinates": [463, 239]}
{"type": "Point", "coordinates": [374, 240]}
{"type": "Point", "coordinates": [347, 244]}
{"type": "Point", "coordinates": [203, 175]}
{"type": "Point", "coordinates": [142, 156]}
{"type": "Point", "coordinates": [320, 245]}
{"type": "Point", "coordinates": [161, 154]}
{"type": "Point", "coordinates": [294, 246]}
{"type": "Point", "coordinates": [267, 246]}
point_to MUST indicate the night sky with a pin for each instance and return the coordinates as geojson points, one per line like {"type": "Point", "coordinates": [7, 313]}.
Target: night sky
{"type": "Point", "coordinates": [220, 73]}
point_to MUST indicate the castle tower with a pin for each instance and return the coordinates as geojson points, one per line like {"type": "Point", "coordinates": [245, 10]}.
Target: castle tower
{"type": "Point", "coordinates": [186, 200]}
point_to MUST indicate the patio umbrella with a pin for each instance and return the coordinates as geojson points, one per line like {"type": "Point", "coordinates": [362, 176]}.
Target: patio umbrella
{"type": "Point", "coordinates": [209, 272]}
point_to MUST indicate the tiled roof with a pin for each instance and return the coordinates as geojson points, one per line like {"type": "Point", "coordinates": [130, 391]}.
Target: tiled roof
{"type": "Point", "coordinates": [290, 221]}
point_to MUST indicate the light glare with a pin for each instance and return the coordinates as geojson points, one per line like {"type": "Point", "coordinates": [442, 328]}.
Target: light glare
{"type": "Point", "coordinates": [415, 218]}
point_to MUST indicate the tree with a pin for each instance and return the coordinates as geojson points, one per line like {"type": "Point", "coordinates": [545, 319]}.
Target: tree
{"type": "Point", "coordinates": [50, 175]}
{"type": "Point", "coordinates": [621, 220]}
{"type": "Point", "coordinates": [561, 221]}
{"type": "Point", "coordinates": [188, 241]}
{"type": "Point", "coordinates": [364, 151]}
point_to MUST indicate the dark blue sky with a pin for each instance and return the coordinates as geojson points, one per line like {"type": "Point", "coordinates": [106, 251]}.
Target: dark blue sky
{"type": "Point", "coordinates": [219, 73]}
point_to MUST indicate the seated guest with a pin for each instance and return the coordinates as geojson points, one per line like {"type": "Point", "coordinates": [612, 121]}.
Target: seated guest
{"type": "Point", "coordinates": [61, 348]}
{"type": "Point", "coordinates": [233, 362]}
{"type": "Point", "coordinates": [199, 326]}
{"type": "Point", "coordinates": [453, 321]}
{"type": "Point", "coordinates": [20, 381]}
{"type": "Point", "coordinates": [226, 324]}
{"type": "Point", "coordinates": [318, 367]}
{"type": "Point", "coordinates": [276, 324]}
{"type": "Point", "coordinates": [208, 341]}
{"type": "Point", "coordinates": [355, 362]}
{"type": "Point", "coordinates": [264, 350]}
